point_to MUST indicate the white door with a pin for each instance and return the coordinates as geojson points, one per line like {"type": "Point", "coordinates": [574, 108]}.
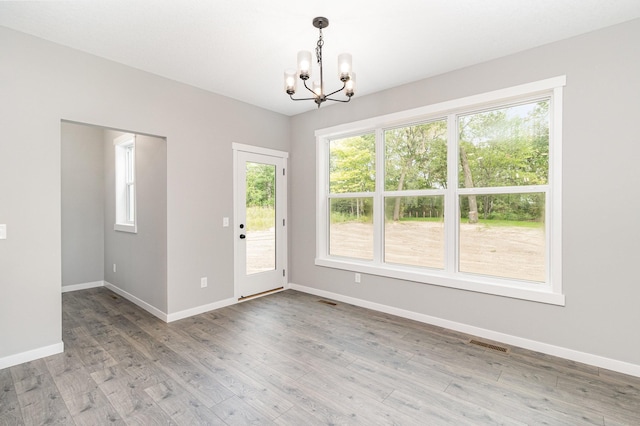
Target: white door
{"type": "Point", "coordinates": [260, 222]}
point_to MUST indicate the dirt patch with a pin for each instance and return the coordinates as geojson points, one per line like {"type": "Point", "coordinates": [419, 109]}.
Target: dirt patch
{"type": "Point", "coordinates": [504, 251]}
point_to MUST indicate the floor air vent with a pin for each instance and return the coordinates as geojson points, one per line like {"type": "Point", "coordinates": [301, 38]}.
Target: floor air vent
{"type": "Point", "coordinates": [489, 346]}
{"type": "Point", "coordinates": [326, 302]}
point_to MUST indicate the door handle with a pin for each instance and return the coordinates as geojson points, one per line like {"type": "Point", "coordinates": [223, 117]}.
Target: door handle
{"type": "Point", "coordinates": [242, 236]}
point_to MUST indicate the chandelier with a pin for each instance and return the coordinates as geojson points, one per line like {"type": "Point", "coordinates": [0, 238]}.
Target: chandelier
{"type": "Point", "coordinates": [346, 76]}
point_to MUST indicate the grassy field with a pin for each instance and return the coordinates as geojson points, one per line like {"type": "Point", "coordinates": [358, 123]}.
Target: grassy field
{"type": "Point", "coordinates": [260, 218]}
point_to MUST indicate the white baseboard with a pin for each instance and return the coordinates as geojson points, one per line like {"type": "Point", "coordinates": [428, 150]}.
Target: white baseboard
{"type": "Point", "coordinates": [200, 309]}
{"type": "Point", "coordinates": [83, 286]}
{"type": "Point", "coordinates": [174, 316]}
{"type": "Point", "coordinates": [133, 299]}
{"type": "Point", "coordinates": [11, 360]}
{"type": "Point", "coordinates": [583, 357]}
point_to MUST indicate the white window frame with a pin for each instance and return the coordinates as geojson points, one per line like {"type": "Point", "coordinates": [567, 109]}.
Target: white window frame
{"type": "Point", "coordinates": [548, 292]}
{"type": "Point", "coordinates": [125, 175]}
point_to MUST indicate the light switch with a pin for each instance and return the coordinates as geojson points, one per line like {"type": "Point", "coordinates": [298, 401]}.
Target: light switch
{"type": "Point", "coordinates": [3, 232]}
{"type": "Point", "coordinates": [225, 222]}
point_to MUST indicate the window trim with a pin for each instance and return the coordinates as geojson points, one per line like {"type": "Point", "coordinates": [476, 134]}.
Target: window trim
{"type": "Point", "coordinates": [550, 292]}
{"type": "Point", "coordinates": [122, 208]}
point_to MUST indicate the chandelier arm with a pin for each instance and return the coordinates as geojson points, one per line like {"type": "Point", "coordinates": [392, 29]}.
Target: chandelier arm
{"type": "Point", "coordinates": [302, 99]}
{"type": "Point", "coordinates": [342, 88]}
{"type": "Point", "coordinates": [339, 100]}
{"type": "Point", "coordinates": [311, 90]}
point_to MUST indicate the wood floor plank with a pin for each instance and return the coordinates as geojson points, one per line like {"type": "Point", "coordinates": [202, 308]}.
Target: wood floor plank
{"type": "Point", "coordinates": [39, 399]}
{"type": "Point", "coordinates": [9, 406]}
{"type": "Point", "coordinates": [367, 409]}
{"type": "Point", "coordinates": [234, 411]}
{"type": "Point", "coordinates": [523, 405]}
{"type": "Point", "coordinates": [342, 377]}
{"type": "Point", "coordinates": [298, 416]}
{"type": "Point", "coordinates": [622, 400]}
{"type": "Point", "coordinates": [132, 403]}
{"type": "Point", "coordinates": [92, 408]}
{"type": "Point", "coordinates": [325, 409]}
{"type": "Point", "coordinates": [287, 359]}
{"type": "Point", "coordinates": [180, 405]}
{"type": "Point", "coordinates": [441, 409]}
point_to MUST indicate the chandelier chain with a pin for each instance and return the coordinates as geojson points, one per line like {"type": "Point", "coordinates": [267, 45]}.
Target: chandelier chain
{"type": "Point", "coordinates": [319, 48]}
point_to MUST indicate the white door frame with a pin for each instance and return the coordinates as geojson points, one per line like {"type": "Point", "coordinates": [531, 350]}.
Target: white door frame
{"type": "Point", "coordinates": [238, 264]}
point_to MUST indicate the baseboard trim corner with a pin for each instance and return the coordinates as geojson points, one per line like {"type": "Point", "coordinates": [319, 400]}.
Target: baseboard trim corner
{"type": "Point", "coordinates": [82, 286]}
{"type": "Point", "coordinates": [201, 309]}
{"type": "Point", "coordinates": [582, 357]}
{"type": "Point", "coordinates": [32, 355]}
{"type": "Point", "coordinates": [141, 303]}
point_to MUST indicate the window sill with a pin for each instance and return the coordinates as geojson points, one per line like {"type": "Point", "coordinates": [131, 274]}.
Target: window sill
{"type": "Point", "coordinates": [133, 229]}
{"type": "Point", "coordinates": [541, 293]}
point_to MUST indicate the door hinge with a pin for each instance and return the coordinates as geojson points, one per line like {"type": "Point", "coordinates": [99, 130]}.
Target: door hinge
{"type": "Point", "coordinates": [283, 172]}
{"type": "Point", "coordinates": [283, 222]}
{"type": "Point", "coordinates": [283, 272]}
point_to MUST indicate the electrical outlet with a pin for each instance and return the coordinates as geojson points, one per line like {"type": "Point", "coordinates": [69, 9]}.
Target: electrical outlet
{"type": "Point", "coordinates": [114, 267]}
{"type": "Point", "coordinates": [357, 277]}
{"type": "Point", "coordinates": [203, 282]}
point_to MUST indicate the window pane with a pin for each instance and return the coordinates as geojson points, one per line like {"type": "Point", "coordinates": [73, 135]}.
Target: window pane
{"type": "Point", "coordinates": [508, 240]}
{"type": "Point", "coordinates": [414, 231]}
{"type": "Point", "coordinates": [505, 147]}
{"type": "Point", "coordinates": [352, 164]}
{"type": "Point", "coordinates": [129, 164]}
{"type": "Point", "coordinates": [131, 203]}
{"type": "Point", "coordinates": [351, 227]}
{"type": "Point", "coordinates": [261, 217]}
{"type": "Point", "coordinates": [416, 157]}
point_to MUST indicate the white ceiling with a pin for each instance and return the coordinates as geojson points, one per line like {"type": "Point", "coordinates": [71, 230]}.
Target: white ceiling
{"type": "Point", "coordinates": [241, 48]}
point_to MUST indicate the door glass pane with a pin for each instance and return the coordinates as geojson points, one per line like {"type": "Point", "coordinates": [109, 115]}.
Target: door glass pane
{"type": "Point", "coordinates": [414, 231]}
{"type": "Point", "coordinates": [508, 239]}
{"type": "Point", "coordinates": [261, 217]}
{"type": "Point", "coordinates": [351, 227]}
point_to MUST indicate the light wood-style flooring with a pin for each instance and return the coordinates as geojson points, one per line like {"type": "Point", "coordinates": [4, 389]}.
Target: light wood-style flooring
{"type": "Point", "coordinates": [288, 359]}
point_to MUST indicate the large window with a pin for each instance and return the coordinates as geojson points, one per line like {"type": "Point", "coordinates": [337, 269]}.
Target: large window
{"type": "Point", "coordinates": [125, 167]}
{"type": "Point", "coordinates": [464, 194]}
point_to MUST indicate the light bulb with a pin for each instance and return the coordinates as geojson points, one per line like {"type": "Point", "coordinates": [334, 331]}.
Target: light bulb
{"type": "Point", "coordinates": [344, 66]}
{"type": "Point", "coordinates": [350, 86]}
{"type": "Point", "coordinates": [304, 64]}
{"type": "Point", "coordinates": [290, 81]}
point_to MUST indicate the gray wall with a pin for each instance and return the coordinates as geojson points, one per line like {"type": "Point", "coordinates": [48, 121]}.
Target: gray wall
{"type": "Point", "coordinates": [82, 181]}
{"type": "Point", "coordinates": [600, 197]}
{"type": "Point", "coordinates": [140, 258]}
{"type": "Point", "coordinates": [42, 83]}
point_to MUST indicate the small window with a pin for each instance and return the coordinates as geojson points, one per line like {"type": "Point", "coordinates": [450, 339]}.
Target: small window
{"type": "Point", "coordinates": [125, 166]}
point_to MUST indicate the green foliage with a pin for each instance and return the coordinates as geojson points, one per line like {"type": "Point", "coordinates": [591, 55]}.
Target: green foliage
{"type": "Point", "coordinates": [416, 157]}
{"type": "Point", "coordinates": [414, 207]}
{"type": "Point", "coordinates": [261, 185]}
{"type": "Point", "coordinates": [511, 207]}
{"type": "Point", "coordinates": [507, 147]}
{"type": "Point", "coordinates": [352, 210]}
{"type": "Point", "coordinates": [503, 147]}
{"type": "Point", "coordinates": [352, 164]}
